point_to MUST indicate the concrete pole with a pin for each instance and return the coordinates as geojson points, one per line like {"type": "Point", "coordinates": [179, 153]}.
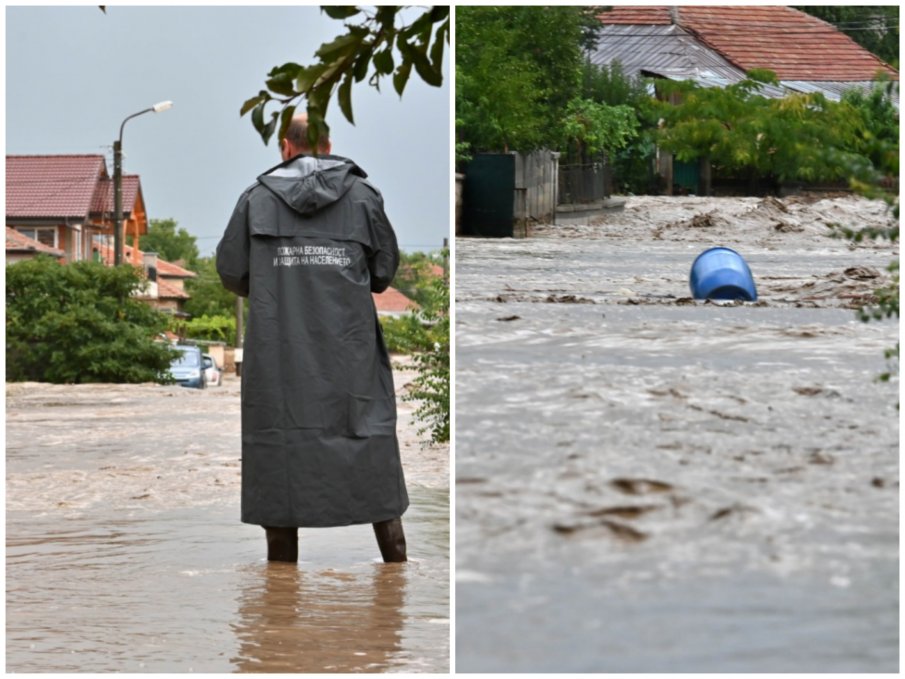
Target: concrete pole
{"type": "Point", "coordinates": [118, 201]}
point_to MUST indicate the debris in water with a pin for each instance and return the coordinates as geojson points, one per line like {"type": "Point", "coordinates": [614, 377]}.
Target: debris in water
{"type": "Point", "coordinates": [640, 486]}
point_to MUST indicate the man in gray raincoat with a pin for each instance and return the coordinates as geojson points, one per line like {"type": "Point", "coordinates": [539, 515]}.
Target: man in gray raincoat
{"type": "Point", "coordinates": [307, 244]}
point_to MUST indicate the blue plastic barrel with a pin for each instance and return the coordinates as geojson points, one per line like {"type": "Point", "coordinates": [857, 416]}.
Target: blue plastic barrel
{"type": "Point", "coordinates": [722, 273]}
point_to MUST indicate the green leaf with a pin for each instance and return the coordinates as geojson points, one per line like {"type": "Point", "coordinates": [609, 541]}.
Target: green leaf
{"type": "Point", "coordinates": [285, 120]}
{"type": "Point", "coordinates": [342, 45]}
{"type": "Point", "coordinates": [383, 61]}
{"type": "Point", "coordinates": [340, 12]}
{"type": "Point", "coordinates": [400, 78]}
{"type": "Point", "coordinates": [254, 101]}
{"type": "Point", "coordinates": [427, 72]}
{"type": "Point", "coordinates": [362, 61]}
{"type": "Point", "coordinates": [306, 78]}
{"type": "Point", "coordinates": [283, 82]}
{"type": "Point", "coordinates": [257, 117]}
{"type": "Point", "coordinates": [269, 128]}
{"type": "Point", "coordinates": [437, 48]}
{"type": "Point", "coordinates": [344, 95]}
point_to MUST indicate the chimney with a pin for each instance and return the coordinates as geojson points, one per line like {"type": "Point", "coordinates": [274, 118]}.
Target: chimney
{"type": "Point", "coordinates": [674, 15]}
{"type": "Point", "coordinates": [149, 262]}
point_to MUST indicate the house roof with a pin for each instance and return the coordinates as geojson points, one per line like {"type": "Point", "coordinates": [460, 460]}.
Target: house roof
{"type": "Point", "coordinates": [18, 242]}
{"type": "Point", "coordinates": [392, 300]}
{"type": "Point", "coordinates": [103, 199]}
{"type": "Point", "coordinates": [793, 44]}
{"type": "Point", "coordinates": [166, 290]}
{"type": "Point", "coordinates": [58, 186]}
{"type": "Point", "coordinates": [164, 268]}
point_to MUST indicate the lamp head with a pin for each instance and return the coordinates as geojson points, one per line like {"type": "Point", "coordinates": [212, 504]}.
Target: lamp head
{"type": "Point", "coordinates": [162, 106]}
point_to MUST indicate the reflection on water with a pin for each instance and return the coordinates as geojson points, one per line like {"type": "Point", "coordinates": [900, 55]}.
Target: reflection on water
{"type": "Point", "coordinates": [290, 620]}
{"type": "Point", "coordinates": [190, 590]}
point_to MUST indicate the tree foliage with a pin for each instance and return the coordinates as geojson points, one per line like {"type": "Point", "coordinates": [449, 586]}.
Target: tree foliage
{"type": "Point", "coordinates": [431, 388]}
{"type": "Point", "coordinates": [212, 328]}
{"type": "Point", "coordinates": [517, 68]}
{"type": "Point", "coordinates": [596, 127]}
{"type": "Point", "coordinates": [798, 137]}
{"type": "Point", "coordinates": [208, 296]}
{"type": "Point", "coordinates": [379, 42]}
{"type": "Point", "coordinates": [80, 323]}
{"type": "Point", "coordinates": [170, 242]}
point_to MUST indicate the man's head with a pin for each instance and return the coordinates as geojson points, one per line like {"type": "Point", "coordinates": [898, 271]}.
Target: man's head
{"type": "Point", "coordinates": [296, 139]}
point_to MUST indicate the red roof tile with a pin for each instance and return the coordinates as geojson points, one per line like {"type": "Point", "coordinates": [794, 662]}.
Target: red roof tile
{"type": "Point", "coordinates": [19, 242]}
{"type": "Point", "coordinates": [164, 268]}
{"type": "Point", "coordinates": [393, 301]}
{"type": "Point", "coordinates": [642, 16]}
{"type": "Point", "coordinates": [103, 195]}
{"type": "Point", "coordinates": [166, 290]}
{"type": "Point", "coordinates": [795, 45]}
{"type": "Point", "coordinates": [58, 186]}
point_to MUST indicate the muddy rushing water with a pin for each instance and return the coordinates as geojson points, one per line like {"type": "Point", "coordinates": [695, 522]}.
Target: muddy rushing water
{"type": "Point", "coordinates": [649, 483]}
{"type": "Point", "coordinates": [125, 552]}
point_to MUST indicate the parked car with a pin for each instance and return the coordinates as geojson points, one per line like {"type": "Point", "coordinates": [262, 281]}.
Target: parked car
{"type": "Point", "coordinates": [188, 368]}
{"type": "Point", "coordinates": [212, 371]}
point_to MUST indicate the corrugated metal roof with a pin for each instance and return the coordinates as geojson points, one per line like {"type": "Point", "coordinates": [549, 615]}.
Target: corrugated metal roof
{"type": "Point", "coordinates": [834, 90]}
{"type": "Point", "coordinates": [659, 48]}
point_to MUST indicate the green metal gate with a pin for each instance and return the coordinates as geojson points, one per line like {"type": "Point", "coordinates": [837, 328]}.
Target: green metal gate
{"type": "Point", "coordinates": [488, 196]}
{"type": "Point", "coordinates": [687, 175]}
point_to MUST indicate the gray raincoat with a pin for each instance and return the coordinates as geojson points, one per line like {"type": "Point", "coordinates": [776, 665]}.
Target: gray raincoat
{"type": "Point", "coordinates": [307, 244]}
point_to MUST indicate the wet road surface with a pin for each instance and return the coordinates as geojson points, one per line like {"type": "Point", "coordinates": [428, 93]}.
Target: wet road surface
{"type": "Point", "coordinates": [125, 552]}
{"type": "Point", "coordinates": [649, 483]}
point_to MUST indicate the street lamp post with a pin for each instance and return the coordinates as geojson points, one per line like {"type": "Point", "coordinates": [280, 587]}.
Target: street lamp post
{"type": "Point", "coordinates": [118, 181]}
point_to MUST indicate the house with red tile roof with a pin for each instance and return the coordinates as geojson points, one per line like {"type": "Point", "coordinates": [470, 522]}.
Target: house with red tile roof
{"type": "Point", "coordinates": [166, 281]}
{"type": "Point", "coordinates": [63, 205]}
{"type": "Point", "coordinates": [19, 247]}
{"type": "Point", "coordinates": [715, 46]}
{"type": "Point", "coordinates": [65, 202]}
{"type": "Point", "coordinates": [718, 45]}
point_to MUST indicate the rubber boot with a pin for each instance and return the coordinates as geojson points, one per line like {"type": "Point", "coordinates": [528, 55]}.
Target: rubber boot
{"type": "Point", "coordinates": [282, 544]}
{"type": "Point", "coordinates": [391, 540]}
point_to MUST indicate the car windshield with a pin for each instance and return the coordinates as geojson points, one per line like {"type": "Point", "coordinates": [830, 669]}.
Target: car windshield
{"type": "Point", "coordinates": [187, 359]}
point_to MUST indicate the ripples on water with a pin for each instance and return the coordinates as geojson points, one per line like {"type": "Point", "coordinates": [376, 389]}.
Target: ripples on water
{"type": "Point", "coordinates": [649, 486]}
{"type": "Point", "coordinates": [190, 591]}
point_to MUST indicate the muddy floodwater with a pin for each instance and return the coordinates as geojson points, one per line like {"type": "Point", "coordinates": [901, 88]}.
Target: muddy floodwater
{"type": "Point", "coordinates": [646, 482]}
{"type": "Point", "coordinates": [125, 552]}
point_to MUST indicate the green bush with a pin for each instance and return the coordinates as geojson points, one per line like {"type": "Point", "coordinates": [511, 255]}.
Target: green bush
{"type": "Point", "coordinates": [431, 387]}
{"type": "Point", "coordinates": [212, 328]}
{"type": "Point", "coordinates": [80, 323]}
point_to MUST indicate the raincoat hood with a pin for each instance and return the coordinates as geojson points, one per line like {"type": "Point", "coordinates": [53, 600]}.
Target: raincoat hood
{"type": "Point", "coordinates": [307, 184]}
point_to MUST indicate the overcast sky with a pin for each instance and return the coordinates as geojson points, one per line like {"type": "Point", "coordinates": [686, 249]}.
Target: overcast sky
{"type": "Point", "coordinates": [74, 73]}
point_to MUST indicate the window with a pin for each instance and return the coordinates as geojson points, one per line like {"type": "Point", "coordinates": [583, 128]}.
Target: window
{"type": "Point", "coordinates": [43, 234]}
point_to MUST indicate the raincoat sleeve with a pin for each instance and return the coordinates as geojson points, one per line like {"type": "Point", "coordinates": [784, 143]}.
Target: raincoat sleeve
{"type": "Point", "coordinates": [233, 251]}
{"type": "Point", "coordinates": [383, 259]}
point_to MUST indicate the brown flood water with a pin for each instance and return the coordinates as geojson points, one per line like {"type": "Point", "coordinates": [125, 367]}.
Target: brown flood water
{"type": "Point", "coordinates": [125, 552]}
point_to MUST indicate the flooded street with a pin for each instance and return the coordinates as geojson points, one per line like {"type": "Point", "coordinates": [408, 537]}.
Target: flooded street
{"type": "Point", "coordinates": [125, 552]}
{"type": "Point", "coordinates": [650, 483]}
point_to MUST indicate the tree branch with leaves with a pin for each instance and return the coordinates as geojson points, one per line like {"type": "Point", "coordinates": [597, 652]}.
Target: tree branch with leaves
{"type": "Point", "coordinates": [378, 41]}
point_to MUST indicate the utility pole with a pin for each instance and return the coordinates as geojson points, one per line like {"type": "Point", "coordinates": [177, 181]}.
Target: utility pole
{"type": "Point", "coordinates": [118, 180]}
